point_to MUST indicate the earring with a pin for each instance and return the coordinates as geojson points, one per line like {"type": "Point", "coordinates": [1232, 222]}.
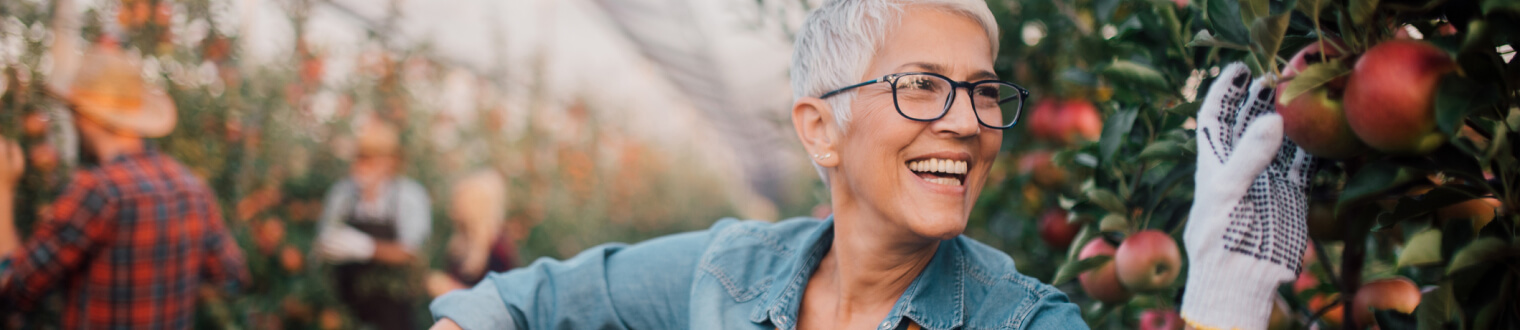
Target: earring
{"type": "Point", "coordinates": [822, 157]}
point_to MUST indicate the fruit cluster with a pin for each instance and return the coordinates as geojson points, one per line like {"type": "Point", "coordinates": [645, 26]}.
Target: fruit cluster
{"type": "Point", "coordinates": [1336, 104]}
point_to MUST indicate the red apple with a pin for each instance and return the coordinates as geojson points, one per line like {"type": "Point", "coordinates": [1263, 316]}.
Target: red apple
{"type": "Point", "coordinates": [1043, 118]}
{"type": "Point", "coordinates": [1306, 280]}
{"type": "Point", "coordinates": [1065, 121]}
{"type": "Point", "coordinates": [1398, 294]}
{"type": "Point", "coordinates": [1149, 260]}
{"type": "Point", "coordinates": [1390, 99]}
{"type": "Point", "coordinates": [1102, 283]}
{"type": "Point", "coordinates": [1316, 120]}
{"type": "Point", "coordinates": [291, 259]}
{"type": "Point", "coordinates": [1083, 121]}
{"type": "Point", "coordinates": [1041, 168]}
{"type": "Point", "coordinates": [1480, 210]}
{"type": "Point", "coordinates": [1160, 319]}
{"type": "Point", "coordinates": [34, 125]}
{"type": "Point", "coordinates": [1055, 230]}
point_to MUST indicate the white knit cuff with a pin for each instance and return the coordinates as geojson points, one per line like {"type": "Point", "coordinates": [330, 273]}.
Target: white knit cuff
{"type": "Point", "coordinates": [1237, 298]}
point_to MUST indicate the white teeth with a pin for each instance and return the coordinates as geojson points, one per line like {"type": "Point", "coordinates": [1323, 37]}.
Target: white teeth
{"type": "Point", "coordinates": [947, 166]}
{"type": "Point", "coordinates": [946, 181]}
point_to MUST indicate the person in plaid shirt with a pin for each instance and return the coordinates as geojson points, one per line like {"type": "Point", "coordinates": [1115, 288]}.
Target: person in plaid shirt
{"type": "Point", "coordinates": [134, 236]}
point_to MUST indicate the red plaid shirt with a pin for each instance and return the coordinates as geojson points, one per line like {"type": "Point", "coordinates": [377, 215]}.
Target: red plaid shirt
{"type": "Point", "coordinates": [129, 242]}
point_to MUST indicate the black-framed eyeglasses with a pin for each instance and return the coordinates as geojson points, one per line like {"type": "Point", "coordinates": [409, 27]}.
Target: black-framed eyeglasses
{"type": "Point", "coordinates": [927, 96]}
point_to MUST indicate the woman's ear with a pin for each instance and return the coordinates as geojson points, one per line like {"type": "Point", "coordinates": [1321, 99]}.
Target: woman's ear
{"type": "Point", "coordinates": [814, 121]}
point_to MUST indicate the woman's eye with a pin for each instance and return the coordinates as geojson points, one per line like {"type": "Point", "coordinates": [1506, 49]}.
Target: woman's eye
{"type": "Point", "coordinates": [915, 83]}
{"type": "Point", "coordinates": [991, 92]}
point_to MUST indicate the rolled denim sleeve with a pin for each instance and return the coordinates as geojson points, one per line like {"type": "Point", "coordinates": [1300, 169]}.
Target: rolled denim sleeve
{"type": "Point", "coordinates": [475, 308]}
{"type": "Point", "coordinates": [612, 286]}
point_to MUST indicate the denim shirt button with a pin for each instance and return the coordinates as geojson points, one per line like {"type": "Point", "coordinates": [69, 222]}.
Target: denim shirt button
{"type": "Point", "coordinates": [886, 325]}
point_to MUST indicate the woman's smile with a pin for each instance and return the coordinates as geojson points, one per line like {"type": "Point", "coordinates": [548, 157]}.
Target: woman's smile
{"type": "Point", "coordinates": [941, 172]}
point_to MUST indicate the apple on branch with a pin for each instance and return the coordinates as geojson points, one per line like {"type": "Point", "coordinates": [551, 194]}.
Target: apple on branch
{"type": "Point", "coordinates": [1102, 283]}
{"type": "Point", "coordinates": [1149, 260]}
{"type": "Point", "coordinates": [1390, 98]}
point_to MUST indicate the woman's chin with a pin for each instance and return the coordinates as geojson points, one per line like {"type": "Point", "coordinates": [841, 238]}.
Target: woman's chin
{"type": "Point", "coordinates": [939, 227]}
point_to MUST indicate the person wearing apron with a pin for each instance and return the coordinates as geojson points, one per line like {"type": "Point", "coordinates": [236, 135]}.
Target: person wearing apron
{"type": "Point", "coordinates": [373, 223]}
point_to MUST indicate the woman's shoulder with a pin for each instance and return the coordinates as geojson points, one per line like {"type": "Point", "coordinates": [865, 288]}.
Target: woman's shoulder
{"type": "Point", "coordinates": [782, 237]}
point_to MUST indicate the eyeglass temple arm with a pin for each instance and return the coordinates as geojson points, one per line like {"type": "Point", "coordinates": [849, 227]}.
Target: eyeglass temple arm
{"type": "Point", "coordinates": [846, 88]}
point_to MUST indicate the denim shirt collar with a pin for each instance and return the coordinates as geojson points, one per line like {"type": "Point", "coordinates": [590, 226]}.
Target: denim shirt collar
{"type": "Point", "coordinates": [935, 300]}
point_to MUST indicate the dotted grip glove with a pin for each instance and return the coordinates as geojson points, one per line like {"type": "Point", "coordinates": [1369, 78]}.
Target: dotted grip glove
{"type": "Point", "coordinates": [1246, 231]}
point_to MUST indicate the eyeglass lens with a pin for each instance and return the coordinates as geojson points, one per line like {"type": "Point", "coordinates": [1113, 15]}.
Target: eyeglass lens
{"type": "Point", "coordinates": [928, 97]}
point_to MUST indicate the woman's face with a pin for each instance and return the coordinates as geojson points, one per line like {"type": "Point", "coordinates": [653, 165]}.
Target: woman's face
{"type": "Point", "coordinates": [878, 148]}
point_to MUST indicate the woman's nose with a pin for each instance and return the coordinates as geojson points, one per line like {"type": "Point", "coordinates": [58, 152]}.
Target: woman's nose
{"type": "Point", "coordinates": [961, 119]}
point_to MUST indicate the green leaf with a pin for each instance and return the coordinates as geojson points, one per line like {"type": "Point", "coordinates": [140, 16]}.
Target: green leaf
{"type": "Point", "coordinates": [1362, 10]}
{"type": "Point", "coordinates": [1371, 182]}
{"type": "Point", "coordinates": [1266, 36]}
{"type": "Point", "coordinates": [1250, 10]}
{"type": "Point", "coordinates": [1189, 109]}
{"type": "Point", "coordinates": [1136, 74]}
{"type": "Point", "coordinates": [1311, 8]}
{"type": "Point", "coordinates": [1114, 222]}
{"type": "Point", "coordinates": [1086, 234]}
{"type": "Point", "coordinates": [1205, 39]}
{"type": "Point", "coordinates": [1224, 19]}
{"type": "Point", "coordinates": [1115, 130]}
{"type": "Point", "coordinates": [1457, 97]}
{"type": "Point", "coordinates": [1162, 150]}
{"type": "Point", "coordinates": [1493, 6]}
{"type": "Point", "coordinates": [1313, 77]}
{"type": "Point", "coordinates": [1479, 252]}
{"type": "Point", "coordinates": [1436, 308]}
{"type": "Point", "coordinates": [1070, 270]}
{"type": "Point", "coordinates": [1455, 235]}
{"type": "Point", "coordinates": [1423, 249]}
{"type": "Point", "coordinates": [1393, 320]}
{"type": "Point", "coordinates": [1106, 199]}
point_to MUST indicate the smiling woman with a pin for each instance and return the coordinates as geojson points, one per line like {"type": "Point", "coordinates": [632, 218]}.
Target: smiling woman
{"type": "Point", "coordinates": [898, 106]}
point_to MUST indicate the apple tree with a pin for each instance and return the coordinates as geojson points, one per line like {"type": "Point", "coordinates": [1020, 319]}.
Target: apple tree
{"type": "Point", "coordinates": [1411, 103]}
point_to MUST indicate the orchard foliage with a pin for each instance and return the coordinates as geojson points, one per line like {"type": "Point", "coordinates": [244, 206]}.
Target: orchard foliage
{"type": "Point", "coordinates": [1445, 219]}
{"type": "Point", "coordinates": [271, 137]}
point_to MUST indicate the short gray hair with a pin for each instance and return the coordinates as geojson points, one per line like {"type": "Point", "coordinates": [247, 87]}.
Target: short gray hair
{"type": "Point", "coordinates": [837, 41]}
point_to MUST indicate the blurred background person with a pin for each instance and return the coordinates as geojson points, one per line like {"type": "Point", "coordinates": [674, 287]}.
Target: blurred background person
{"type": "Point", "coordinates": [372, 225]}
{"type": "Point", "coordinates": [134, 235]}
{"type": "Point", "coordinates": [479, 244]}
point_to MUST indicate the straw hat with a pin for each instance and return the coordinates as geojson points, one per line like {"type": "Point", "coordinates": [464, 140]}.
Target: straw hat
{"type": "Point", "coordinates": [109, 89]}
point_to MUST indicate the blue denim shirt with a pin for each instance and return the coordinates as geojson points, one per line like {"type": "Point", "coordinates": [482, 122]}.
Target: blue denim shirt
{"type": "Point", "coordinates": [746, 275]}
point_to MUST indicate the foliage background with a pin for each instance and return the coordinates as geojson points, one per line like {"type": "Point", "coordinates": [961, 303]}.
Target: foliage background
{"type": "Point", "coordinates": [271, 139]}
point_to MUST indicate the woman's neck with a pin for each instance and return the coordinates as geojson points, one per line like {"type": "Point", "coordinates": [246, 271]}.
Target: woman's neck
{"type": "Point", "coordinates": [869, 265]}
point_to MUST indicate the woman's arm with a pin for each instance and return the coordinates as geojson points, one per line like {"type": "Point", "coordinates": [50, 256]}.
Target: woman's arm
{"type": "Point", "coordinates": [644, 286]}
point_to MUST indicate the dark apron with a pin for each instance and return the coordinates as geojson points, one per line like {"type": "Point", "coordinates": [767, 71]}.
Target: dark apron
{"type": "Point", "coordinates": [362, 285]}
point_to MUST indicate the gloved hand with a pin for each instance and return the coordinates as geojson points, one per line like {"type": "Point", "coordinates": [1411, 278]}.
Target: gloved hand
{"type": "Point", "coordinates": [345, 243]}
{"type": "Point", "coordinates": [1246, 231]}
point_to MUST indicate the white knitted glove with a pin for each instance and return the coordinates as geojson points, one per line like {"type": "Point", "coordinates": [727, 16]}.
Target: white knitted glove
{"type": "Point", "coordinates": [1246, 231]}
{"type": "Point", "coordinates": [344, 243]}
